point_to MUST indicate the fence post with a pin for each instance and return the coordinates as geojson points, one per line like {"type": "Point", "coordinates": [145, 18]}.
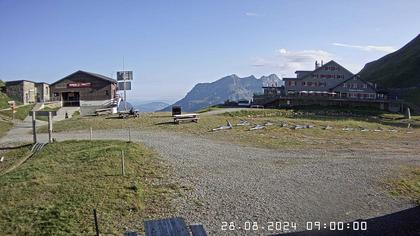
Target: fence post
{"type": "Point", "coordinates": [34, 125]}
{"type": "Point", "coordinates": [91, 134]}
{"type": "Point", "coordinates": [122, 163]}
{"type": "Point", "coordinates": [50, 127]}
{"type": "Point", "coordinates": [129, 134]}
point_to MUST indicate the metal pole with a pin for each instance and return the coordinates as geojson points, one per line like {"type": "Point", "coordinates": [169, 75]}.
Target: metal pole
{"type": "Point", "coordinates": [125, 96]}
{"type": "Point", "coordinates": [122, 163]}
{"type": "Point", "coordinates": [50, 127]}
{"type": "Point", "coordinates": [125, 92]}
{"type": "Point", "coordinates": [34, 126]}
{"type": "Point", "coordinates": [96, 222]}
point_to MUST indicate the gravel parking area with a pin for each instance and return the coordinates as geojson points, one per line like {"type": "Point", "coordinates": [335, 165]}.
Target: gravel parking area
{"type": "Point", "coordinates": [224, 182]}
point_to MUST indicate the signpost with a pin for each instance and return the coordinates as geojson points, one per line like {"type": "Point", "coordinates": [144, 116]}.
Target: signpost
{"type": "Point", "coordinates": [122, 77]}
{"type": "Point", "coordinates": [13, 108]}
{"type": "Point", "coordinates": [126, 85]}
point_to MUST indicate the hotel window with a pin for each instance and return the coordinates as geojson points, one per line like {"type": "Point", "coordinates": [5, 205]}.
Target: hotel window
{"type": "Point", "coordinates": [303, 83]}
{"type": "Point", "coordinates": [309, 83]}
{"type": "Point", "coordinates": [354, 85]}
{"type": "Point", "coordinates": [345, 85]}
{"type": "Point", "coordinates": [365, 86]}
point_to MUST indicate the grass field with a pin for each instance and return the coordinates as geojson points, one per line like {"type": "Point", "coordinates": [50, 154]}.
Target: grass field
{"type": "Point", "coordinates": [12, 157]}
{"type": "Point", "coordinates": [54, 192]}
{"type": "Point", "coordinates": [273, 136]}
{"type": "Point", "coordinates": [211, 108]}
{"type": "Point", "coordinates": [408, 184]}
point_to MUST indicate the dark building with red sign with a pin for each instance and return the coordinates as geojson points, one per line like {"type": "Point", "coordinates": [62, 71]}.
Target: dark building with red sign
{"type": "Point", "coordinates": [83, 87]}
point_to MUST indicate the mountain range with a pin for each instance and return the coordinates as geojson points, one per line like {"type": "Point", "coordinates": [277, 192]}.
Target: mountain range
{"type": "Point", "coordinates": [231, 88]}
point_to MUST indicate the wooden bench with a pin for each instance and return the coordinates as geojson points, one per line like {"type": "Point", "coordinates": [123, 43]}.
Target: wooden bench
{"type": "Point", "coordinates": [186, 117]}
{"type": "Point", "coordinates": [172, 227]}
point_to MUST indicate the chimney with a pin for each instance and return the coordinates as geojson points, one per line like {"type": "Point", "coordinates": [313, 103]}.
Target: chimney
{"type": "Point", "coordinates": [316, 65]}
{"type": "Point", "coordinates": [322, 62]}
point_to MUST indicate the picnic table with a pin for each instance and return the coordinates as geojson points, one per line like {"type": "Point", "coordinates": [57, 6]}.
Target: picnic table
{"type": "Point", "coordinates": [194, 117]}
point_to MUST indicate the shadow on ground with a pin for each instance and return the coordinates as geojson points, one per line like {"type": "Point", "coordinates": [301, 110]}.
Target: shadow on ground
{"type": "Point", "coordinates": [402, 223]}
{"type": "Point", "coordinates": [16, 147]}
{"type": "Point", "coordinates": [166, 123]}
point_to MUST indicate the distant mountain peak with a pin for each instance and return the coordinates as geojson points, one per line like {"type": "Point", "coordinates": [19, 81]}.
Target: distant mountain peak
{"type": "Point", "coordinates": [230, 87]}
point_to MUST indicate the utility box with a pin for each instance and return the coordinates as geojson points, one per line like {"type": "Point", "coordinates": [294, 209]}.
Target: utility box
{"type": "Point", "coordinates": [176, 110]}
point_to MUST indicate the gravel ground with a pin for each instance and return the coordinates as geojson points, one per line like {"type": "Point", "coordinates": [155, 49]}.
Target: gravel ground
{"type": "Point", "coordinates": [232, 183]}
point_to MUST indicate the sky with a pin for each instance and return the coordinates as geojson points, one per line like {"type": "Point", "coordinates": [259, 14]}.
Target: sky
{"type": "Point", "coordinates": [173, 45]}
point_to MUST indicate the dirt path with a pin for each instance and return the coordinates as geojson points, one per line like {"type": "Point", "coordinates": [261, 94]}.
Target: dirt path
{"type": "Point", "coordinates": [228, 182]}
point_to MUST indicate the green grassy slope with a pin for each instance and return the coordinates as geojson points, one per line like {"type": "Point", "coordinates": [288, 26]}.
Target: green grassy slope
{"type": "Point", "coordinates": [400, 69]}
{"type": "Point", "coordinates": [54, 192]}
{"type": "Point", "coordinates": [21, 112]}
{"type": "Point", "coordinates": [3, 101]}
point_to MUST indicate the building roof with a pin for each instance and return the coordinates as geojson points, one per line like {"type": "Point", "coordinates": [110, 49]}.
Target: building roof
{"type": "Point", "coordinates": [320, 68]}
{"type": "Point", "coordinates": [357, 76]}
{"type": "Point", "coordinates": [88, 73]}
{"type": "Point", "coordinates": [42, 83]}
{"type": "Point", "coordinates": [12, 82]}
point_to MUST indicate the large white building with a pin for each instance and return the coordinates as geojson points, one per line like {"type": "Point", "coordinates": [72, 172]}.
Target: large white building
{"type": "Point", "coordinates": [330, 80]}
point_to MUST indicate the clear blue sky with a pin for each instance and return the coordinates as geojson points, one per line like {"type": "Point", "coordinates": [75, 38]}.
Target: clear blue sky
{"type": "Point", "coordinates": [172, 45]}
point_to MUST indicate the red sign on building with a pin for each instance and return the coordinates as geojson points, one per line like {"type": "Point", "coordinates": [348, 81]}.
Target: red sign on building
{"type": "Point", "coordinates": [78, 85]}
